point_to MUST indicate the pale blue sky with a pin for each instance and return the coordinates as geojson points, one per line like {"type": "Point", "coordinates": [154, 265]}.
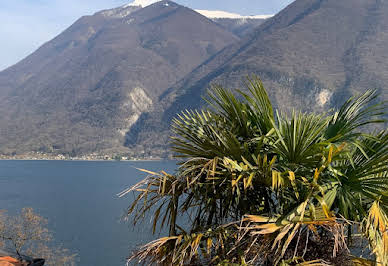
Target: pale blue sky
{"type": "Point", "coordinates": [27, 24]}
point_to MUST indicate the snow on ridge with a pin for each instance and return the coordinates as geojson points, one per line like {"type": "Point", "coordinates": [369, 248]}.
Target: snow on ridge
{"type": "Point", "coordinates": [212, 14]}
{"type": "Point", "coordinates": [223, 14]}
{"type": "Point", "coordinates": [142, 3]}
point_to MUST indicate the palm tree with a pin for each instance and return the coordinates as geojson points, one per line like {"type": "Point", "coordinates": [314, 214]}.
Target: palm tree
{"type": "Point", "coordinates": [262, 187]}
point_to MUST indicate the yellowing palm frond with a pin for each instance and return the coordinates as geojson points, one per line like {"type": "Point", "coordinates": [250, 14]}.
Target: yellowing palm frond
{"type": "Point", "coordinates": [375, 227]}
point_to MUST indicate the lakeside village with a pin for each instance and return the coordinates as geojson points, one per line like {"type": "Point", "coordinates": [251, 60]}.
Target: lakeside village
{"type": "Point", "coordinates": [89, 157]}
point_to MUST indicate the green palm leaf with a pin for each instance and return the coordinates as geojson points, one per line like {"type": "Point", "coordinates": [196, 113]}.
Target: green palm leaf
{"type": "Point", "coordinates": [258, 189]}
{"type": "Point", "coordinates": [353, 114]}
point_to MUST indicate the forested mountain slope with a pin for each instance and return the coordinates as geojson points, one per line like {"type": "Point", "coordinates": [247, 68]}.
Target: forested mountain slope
{"type": "Point", "coordinates": [81, 92]}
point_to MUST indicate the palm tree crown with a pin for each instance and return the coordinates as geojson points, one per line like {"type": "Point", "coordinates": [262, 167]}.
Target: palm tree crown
{"type": "Point", "coordinates": [262, 187]}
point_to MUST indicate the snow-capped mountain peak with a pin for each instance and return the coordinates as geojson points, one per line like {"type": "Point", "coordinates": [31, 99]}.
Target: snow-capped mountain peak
{"type": "Point", "coordinates": [214, 14]}
{"type": "Point", "coordinates": [142, 3]}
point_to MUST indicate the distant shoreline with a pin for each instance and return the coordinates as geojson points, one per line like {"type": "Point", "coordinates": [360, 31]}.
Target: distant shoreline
{"type": "Point", "coordinates": [85, 160]}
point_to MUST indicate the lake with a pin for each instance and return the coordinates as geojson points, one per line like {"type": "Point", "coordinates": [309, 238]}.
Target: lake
{"type": "Point", "coordinates": [79, 200]}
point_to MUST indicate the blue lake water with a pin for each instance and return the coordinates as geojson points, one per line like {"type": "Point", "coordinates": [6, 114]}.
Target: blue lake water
{"type": "Point", "coordinates": [79, 200]}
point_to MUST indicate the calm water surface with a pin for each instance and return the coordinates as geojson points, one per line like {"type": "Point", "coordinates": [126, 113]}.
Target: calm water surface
{"type": "Point", "coordinates": [79, 200]}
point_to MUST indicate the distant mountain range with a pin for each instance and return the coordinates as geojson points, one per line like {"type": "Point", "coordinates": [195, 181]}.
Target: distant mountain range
{"type": "Point", "coordinates": [236, 23]}
{"type": "Point", "coordinates": [111, 83]}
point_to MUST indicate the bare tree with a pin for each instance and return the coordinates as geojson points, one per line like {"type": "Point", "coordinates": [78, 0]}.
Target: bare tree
{"type": "Point", "coordinates": [27, 233]}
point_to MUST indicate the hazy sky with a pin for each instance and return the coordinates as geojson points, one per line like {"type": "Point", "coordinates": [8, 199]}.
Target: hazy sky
{"type": "Point", "coordinates": [27, 24]}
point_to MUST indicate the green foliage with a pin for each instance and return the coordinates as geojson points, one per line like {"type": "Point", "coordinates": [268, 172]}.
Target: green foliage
{"type": "Point", "coordinates": [261, 187]}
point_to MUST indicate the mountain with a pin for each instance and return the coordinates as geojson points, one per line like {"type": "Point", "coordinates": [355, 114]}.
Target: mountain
{"type": "Point", "coordinates": [238, 24]}
{"type": "Point", "coordinates": [112, 82]}
{"type": "Point", "coordinates": [235, 23]}
{"type": "Point", "coordinates": [311, 56]}
{"type": "Point", "coordinates": [81, 92]}
{"type": "Point", "coordinates": [312, 53]}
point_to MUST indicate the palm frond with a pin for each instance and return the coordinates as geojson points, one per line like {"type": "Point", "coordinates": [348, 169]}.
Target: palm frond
{"type": "Point", "coordinates": [299, 139]}
{"type": "Point", "coordinates": [356, 112]}
{"type": "Point", "coordinates": [258, 189]}
{"type": "Point", "coordinates": [364, 175]}
{"type": "Point", "coordinates": [203, 134]}
{"type": "Point", "coordinates": [260, 106]}
{"type": "Point", "coordinates": [375, 228]}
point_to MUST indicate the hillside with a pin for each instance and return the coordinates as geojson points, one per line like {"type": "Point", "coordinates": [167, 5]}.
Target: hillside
{"type": "Point", "coordinates": [236, 23]}
{"type": "Point", "coordinates": [81, 92]}
{"type": "Point", "coordinates": [311, 56]}
{"type": "Point", "coordinates": [240, 27]}
{"type": "Point", "coordinates": [312, 47]}
{"type": "Point", "coordinates": [112, 82]}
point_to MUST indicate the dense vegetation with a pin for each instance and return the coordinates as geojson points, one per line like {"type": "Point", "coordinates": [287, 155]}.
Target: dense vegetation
{"type": "Point", "coordinates": [262, 187]}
